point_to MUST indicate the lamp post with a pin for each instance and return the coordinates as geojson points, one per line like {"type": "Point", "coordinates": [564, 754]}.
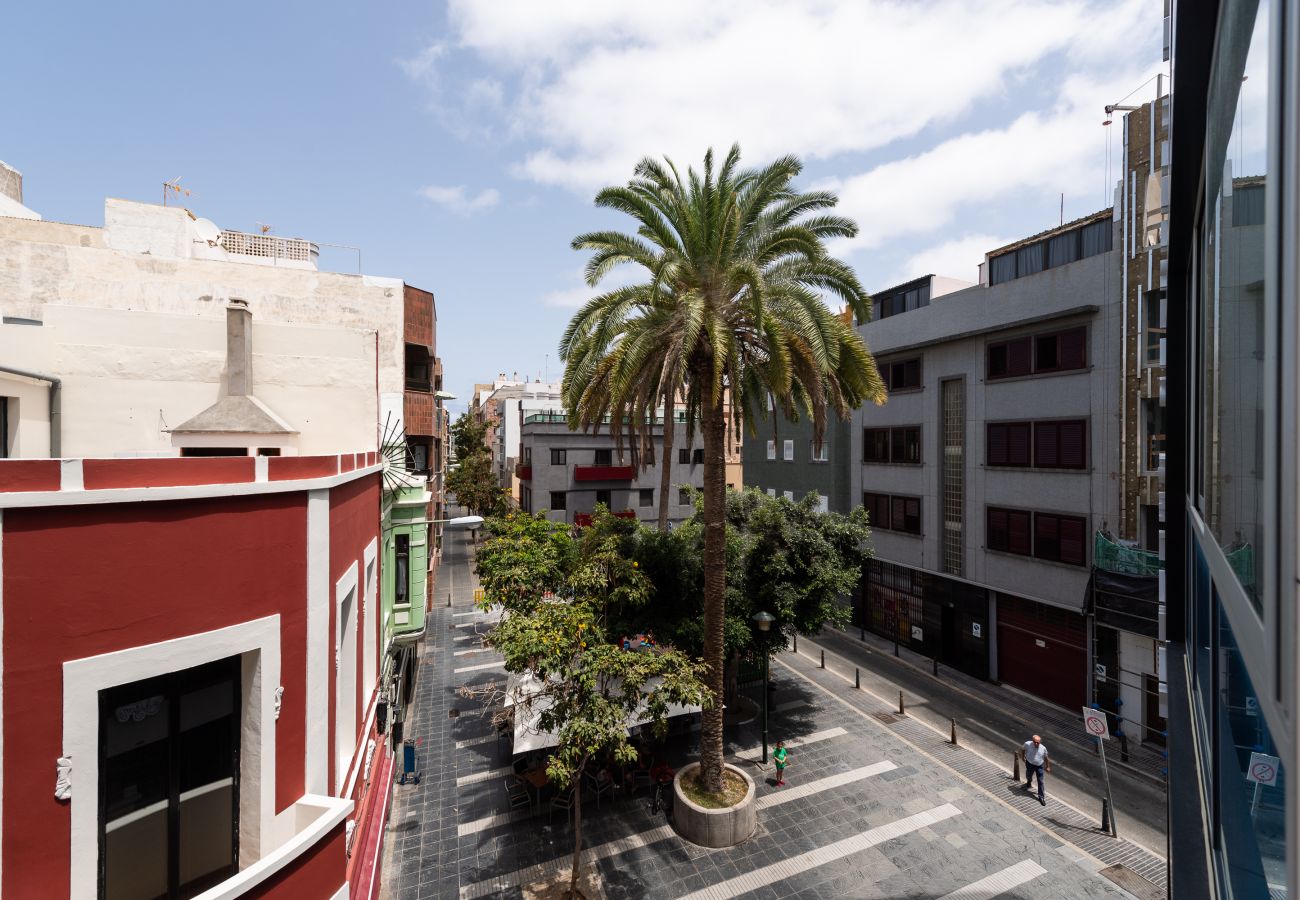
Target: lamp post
{"type": "Point", "coordinates": [764, 622]}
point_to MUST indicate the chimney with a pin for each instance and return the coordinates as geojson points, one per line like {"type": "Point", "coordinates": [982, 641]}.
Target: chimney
{"type": "Point", "coordinates": [11, 183]}
{"type": "Point", "coordinates": [239, 348]}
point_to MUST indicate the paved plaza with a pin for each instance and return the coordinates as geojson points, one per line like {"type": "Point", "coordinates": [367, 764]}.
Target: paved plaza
{"type": "Point", "coordinates": [875, 806]}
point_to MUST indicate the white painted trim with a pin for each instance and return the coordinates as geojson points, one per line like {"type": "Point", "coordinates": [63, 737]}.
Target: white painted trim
{"type": "Point", "coordinates": [29, 499]}
{"type": "Point", "coordinates": [83, 679]}
{"type": "Point", "coordinates": [261, 468]}
{"type": "Point", "coordinates": [71, 475]}
{"type": "Point", "coordinates": [341, 893]}
{"type": "Point", "coordinates": [370, 618]}
{"type": "Point", "coordinates": [358, 759]}
{"type": "Point", "coordinates": [316, 705]}
{"type": "Point", "coordinates": [347, 584]}
{"type": "Point", "coordinates": [333, 811]}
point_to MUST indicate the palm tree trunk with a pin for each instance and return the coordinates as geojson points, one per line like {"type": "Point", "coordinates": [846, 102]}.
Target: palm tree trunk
{"type": "Point", "coordinates": [666, 464]}
{"type": "Point", "coordinates": [715, 583]}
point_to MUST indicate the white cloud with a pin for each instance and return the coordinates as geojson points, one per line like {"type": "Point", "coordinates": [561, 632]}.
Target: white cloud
{"type": "Point", "coordinates": [598, 85]}
{"type": "Point", "coordinates": [457, 200]}
{"type": "Point", "coordinates": [957, 258]}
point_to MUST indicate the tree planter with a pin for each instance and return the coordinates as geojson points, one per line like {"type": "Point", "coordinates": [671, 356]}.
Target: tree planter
{"type": "Point", "coordinates": [714, 827]}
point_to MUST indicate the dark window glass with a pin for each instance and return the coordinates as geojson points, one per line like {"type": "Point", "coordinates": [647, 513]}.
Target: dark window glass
{"type": "Point", "coordinates": [1029, 260]}
{"type": "Point", "coordinates": [683, 497]}
{"type": "Point", "coordinates": [877, 507]}
{"type": "Point", "coordinates": [1002, 268]}
{"type": "Point", "coordinates": [559, 457]}
{"type": "Point", "coordinates": [606, 497]}
{"type": "Point", "coordinates": [647, 497]}
{"type": "Point", "coordinates": [902, 375]}
{"type": "Point", "coordinates": [997, 536]}
{"type": "Point", "coordinates": [1008, 359]}
{"type": "Point", "coordinates": [684, 456]}
{"type": "Point", "coordinates": [906, 445]}
{"type": "Point", "coordinates": [1248, 205]}
{"type": "Point", "coordinates": [875, 445]}
{"type": "Point", "coordinates": [1018, 531]}
{"type": "Point", "coordinates": [697, 456]}
{"type": "Point", "coordinates": [402, 568]}
{"type": "Point", "coordinates": [1060, 538]}
{"type": "Point", "coordinates": [1062, 249]}
{"type": "Point", "coordinates": [1046, 358]}
{"type": "Point", "coordinates": [558, 501]}
{"type": "Point", "coordinates": [604, 457]}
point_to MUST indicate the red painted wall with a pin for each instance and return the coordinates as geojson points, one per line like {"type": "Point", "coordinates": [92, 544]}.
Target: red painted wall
{"type": "Point", "coordinates": [319, 872]}
{"type": "Point", "coordinates": [85, 580]}
{"type": "Point", "coordinates": [354, 523]}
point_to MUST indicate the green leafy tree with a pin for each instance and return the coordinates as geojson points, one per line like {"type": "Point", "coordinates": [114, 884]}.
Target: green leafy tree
{"type": "Point", "coordinates": [473, 480]}
{"type": "Point", "coordinates": [735, 267]}
{"type": "Point", "coordinates": [589, 687]}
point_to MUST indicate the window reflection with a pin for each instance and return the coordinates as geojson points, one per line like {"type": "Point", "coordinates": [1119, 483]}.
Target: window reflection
{"type": "Point", "coordinates": [1234, 325]}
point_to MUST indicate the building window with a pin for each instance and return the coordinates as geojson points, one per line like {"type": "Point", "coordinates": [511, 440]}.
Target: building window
{"type": "Point", "coordinates": [1060, 538]}
{"type": "Point", "coordinates": [401, 569]}
{"type": "Point", "coordinates": [892, 445]}
{"type": "Point", "coordinates": [604, 457]}
{"type": "Point", "coordinates": [1008, 531]}
{"type": "Point", "coordinates": [169, 782]}
{"type": "Point", "coordinates": [819, 454]}
{"type": "Point", "coordinates": [787, 451]}
{"type": "Point", "coordinates": [1059, 250]}
{"type": "Point", "coordinates": [684, 456]}
{"type": "Point", "coordinates": [697, 456]}
{"type": "Point", "coordinates": [1061, 445]}
{"type": "Point", "coordinates": [683, 497]}
{"type": "Point", "coordinates": [952, 472]}
{"type": "Point", "coordinates": [823, 503]}
{"type": "Point", "coordinates": [1008, 444]}
{"type": "Point", "coordinates": [559, 457]}
{"type": "Point", "coordinates": [771, 492]}
{"type": "Point", "coordinates": [647, 496]}
{"type": "Point", "coordinates": [417, 457]}
{"type": "Point", "coordinates": [789, 495]}
{"type": "Point", "coordinates": [771, 449]}
{"type": "Point", "coordinates": [606, 497]}
{"type": "Point", "coordinates": [901, 375]}
{"type": "Point", "coordinates": [893, 512]}
{"type": "Point", "coordinates": [903, 300]}
{"type": "Point", "coordinates": [558, 501]}
{"type": "Point", "coordinates": [1057, 351]}
{"type": "Point", "coordinates": [528, 456]}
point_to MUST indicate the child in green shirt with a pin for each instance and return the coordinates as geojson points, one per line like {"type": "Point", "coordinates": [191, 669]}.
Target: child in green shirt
{"type": "Point", "coordinates": [779, 757]}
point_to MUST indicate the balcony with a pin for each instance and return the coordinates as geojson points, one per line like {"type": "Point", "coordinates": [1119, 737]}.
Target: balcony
{"type": "Point", "coordinates": [583, 520]}
{"type": "Point", "coordinates": [524, 471]}
{"type": "Point", "coordinates": [603, 473]}
{"type": "Point", "coordinates": [417, 411]}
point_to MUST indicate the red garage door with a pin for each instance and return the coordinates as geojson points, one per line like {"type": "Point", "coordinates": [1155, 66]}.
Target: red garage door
{"type": "Point", "coordinates": [1043, 650]}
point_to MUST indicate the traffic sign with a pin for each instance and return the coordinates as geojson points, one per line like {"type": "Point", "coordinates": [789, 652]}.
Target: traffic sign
{"type": "Point", "coordinates": [1094, 722]}
{"type": "Point", "coordinates": [1263, 769]}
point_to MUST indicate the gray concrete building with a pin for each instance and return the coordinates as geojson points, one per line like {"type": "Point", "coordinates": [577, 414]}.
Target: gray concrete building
{"type": "Point", "coordinates": [566, 473]}
{"type": "Point", "coordinates": [995, 460]}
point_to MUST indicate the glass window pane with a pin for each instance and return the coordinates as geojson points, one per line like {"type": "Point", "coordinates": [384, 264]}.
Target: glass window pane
{"type": "Point", "coordinates": [1233, 339]}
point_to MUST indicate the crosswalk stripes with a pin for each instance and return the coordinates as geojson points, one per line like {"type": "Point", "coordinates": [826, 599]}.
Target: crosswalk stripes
{"type": "Point", "coordinates": [991, 886]}
{"type": "Point", "coordinates": [797, 742]}
{"type": "Point", "coordinates": [499, 664]}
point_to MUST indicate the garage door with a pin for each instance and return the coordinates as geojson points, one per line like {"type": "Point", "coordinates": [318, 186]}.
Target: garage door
{"type": "Point", "coordinates": [1043, 650]}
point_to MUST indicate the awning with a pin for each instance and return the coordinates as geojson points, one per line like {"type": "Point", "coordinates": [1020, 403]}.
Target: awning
{"type": "Point", "coordinates": [529, 737]}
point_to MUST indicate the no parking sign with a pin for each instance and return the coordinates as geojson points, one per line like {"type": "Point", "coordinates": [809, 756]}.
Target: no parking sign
{"type": "Point", "coordinates": [1262, 769]}
{"type": "Point", "coordinates": [1094, 722]}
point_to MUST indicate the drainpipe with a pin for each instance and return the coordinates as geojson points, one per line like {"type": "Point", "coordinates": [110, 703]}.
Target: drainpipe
{"type": "Point", "coordinates": [56, 429]}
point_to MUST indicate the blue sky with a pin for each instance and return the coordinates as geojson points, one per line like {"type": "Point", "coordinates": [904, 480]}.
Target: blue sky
{"type": "Point", "coordinates": [459, 144]}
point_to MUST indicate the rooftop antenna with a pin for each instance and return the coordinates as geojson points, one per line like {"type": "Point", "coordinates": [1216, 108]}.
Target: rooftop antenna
{"type": "Point", "coordinates": [264, 228]}
{"type": "Point", "coordinates": [174, 186]}
{"type": "Point", "coordinates": [1062, 207]}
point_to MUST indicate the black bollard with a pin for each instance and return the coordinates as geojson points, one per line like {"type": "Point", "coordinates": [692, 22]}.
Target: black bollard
{"type": "Point", "coordinates": [901, 711]}
{"type": "Point", "coordinates": [796, 643]}
{"type": "Point", "coordinates": [862, 633]}
{"type": "Point", "coordinates": [954, 732]}
{"type": "Point", "coordinates": [935, 660]}
{"type": "Point", "coordinates": [895, 648]}
{"type": "Point", "coordinates": [1105, 816]}
{"type": "Point", "coordinates": [1015, 766]}
{"type": "Point", "coordinates": [857, 678]}
{"type": "Point", "coordinates": [823, 659]}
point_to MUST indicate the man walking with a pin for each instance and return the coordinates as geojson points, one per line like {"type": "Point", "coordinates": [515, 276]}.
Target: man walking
{"type": "Point", "coordinates": [1035, 756]}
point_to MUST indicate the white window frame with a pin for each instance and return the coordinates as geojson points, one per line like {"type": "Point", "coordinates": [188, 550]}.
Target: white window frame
{"type": "Point", "coordinates": [788, 450]}
{"type": "Point", "coordinates": [789, 495]}
{"type": "Point", "coordinates": [771, 450]}
{"type": "Point", "coordinates": [257, 643]}
{"type": "Point", "coordinates": [771, 492]}
{"type": "Point", "coordinates": [345, 742]}
{"type": "Point", "coordinates": [823, 503]}
{"type": "Point", "coordinates": [814, 455]}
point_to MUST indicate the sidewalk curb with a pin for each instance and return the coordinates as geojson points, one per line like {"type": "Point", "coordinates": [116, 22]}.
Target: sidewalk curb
{"type": "Point", "coordinates": [1131, 770]}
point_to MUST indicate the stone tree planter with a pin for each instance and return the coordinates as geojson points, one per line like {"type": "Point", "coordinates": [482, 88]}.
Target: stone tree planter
{"type": "Point", "coordinates": [714, 827]}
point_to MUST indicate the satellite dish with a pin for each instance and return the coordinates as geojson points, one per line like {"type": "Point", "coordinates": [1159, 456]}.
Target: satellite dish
{"type": "Point", "coordinates": [208, 231]}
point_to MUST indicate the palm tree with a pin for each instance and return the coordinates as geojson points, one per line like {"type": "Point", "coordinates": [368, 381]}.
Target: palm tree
{"type": "Point", "coordinates": [735, 266]}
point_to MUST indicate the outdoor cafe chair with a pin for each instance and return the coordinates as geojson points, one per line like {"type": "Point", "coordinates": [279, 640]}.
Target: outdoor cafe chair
{"type": "Point", "coordinates": [518, 796]}
{"type": "Point", "coordinates": [562, 801]}
{"type": "Point", "coordinates": [597, 787]}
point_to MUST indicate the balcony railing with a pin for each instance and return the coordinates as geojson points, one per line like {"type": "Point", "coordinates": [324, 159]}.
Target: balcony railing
{"type": "Point", "coordinates": [270, 247]}
{"type": "Point", "coordinates": [603, 473]}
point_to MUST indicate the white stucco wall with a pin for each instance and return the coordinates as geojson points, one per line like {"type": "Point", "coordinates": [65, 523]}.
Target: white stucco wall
{"type": "Point", "coordinates": [140, 283]}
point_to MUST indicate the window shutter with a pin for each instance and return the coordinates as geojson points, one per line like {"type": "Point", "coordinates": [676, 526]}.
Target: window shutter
{"type": "Point", "coordinates": [1072, 540]}
{"type": "Point", "coordinates": [912, 373]}
{"type": "Point", "coordinates": [1018, 444]}
{"type": "Point", "coordinates": [1072, 348]}
{"type": "Point", "coordinates": [1018, 356]}
{"type": "Point", "coordinates": [899, 518]}
{"type": "Point", "coordinates": [1073, 444]}
{"type": "Point", "coordinates": [1046, 445]}
{"type": "Point", "coordinates": [1018, 532]}
{"type": "Point", "coordinates": [1047, 536]}
{"type": "Point", "coordinates": [912, 515]}
{"type": "Point", "coordinates": [997, 445]}
{"type": "Point", "coordinates": [997, 537]}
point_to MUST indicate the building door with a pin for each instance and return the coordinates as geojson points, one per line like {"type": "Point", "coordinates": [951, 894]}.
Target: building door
{"type": "Point", "coordinates": [1043, 650]}
{"type": "Point", "coordinates": [345, 708]}
{"type": "Point", "coordinates": [169, 783]}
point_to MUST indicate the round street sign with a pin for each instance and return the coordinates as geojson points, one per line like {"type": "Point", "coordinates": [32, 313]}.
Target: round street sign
{"type": "Point", "coordinates": [1094, 722]}
{"type": "Point", "coordinates": [1262, 769]}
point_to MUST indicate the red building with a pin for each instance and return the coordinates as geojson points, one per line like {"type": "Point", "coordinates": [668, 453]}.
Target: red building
{"type": "Point", "coordinates": [189, 654]}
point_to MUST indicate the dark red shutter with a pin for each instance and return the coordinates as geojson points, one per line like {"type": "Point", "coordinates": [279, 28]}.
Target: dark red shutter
{"type": "Point", "coordinates": [997, 445]}
{"type": "Point", "coordinates": [1073, 348]}
{"type": "Point", "coordinates": [1072, 540]}
{"type": "Point", "coordinates": [997, 361]}
{"type": "Point", "coordinates": [1047, 536]}
{"type": "Point", "coordinates": [1018, 532]}
{"type": "Point", "coordinates": [997, 538]}
{"type": "Point", "coordinates": [912, 514]}
{"type": "Point", "coordinates": [1046, 450]}
{"type": "Point", "coordinates": [1073, 452]}
{"type": "Point", "coordinates": [899, 518]}
{"type": "Point", "coordinates": [1018, 444]}
{"type": "Point", "coordinates": [1019, 352]}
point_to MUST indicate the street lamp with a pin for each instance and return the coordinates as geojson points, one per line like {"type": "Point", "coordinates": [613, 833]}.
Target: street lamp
{"type": "Point", "coordinates": [764, 622]}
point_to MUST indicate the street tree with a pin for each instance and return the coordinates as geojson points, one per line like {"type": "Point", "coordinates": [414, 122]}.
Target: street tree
{"type": "Point", "coordinates": [735, 269]}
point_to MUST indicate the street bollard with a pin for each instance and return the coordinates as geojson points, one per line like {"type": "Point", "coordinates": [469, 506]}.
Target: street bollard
{"type": "Point", "coordinates": [901, 711]}
{"type": "Point", "coordinates": [449, 599]}
{"type": "Point", "coordinates": [823, 665]}
{"type": "Point", "coordinates": [954, 732]}
{"type": "Point", "coordinates": [936, 666]}
{"type": "Point", "coordinates": [1015, 766]}
{"type": "Point", "coordinates": [895, 648]}
{"type": "Point", "coordinates": [857, 678]}
{"type": "Point", "coordinates": [796, 643]}
{"type": "Point", "coordinates": [862, 633]}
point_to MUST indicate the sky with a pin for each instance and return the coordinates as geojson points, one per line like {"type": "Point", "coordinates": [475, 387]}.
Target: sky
{"type": "Point", "coordinates": [458, 145]}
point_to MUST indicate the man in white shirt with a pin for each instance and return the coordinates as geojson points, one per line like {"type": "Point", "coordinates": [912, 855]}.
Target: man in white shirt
{"type": "Point", "coordinates": [1035, 756]}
